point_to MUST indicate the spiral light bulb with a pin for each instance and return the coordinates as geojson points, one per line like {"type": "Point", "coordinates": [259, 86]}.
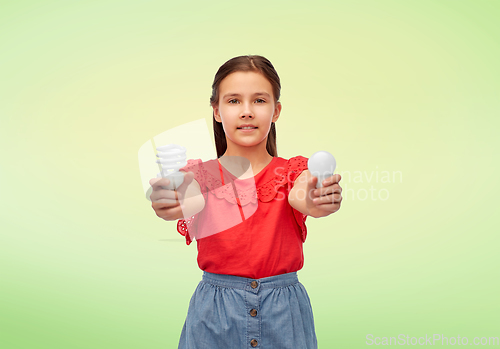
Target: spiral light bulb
{"type": "Point", "coordinates": [171, 158]}
{"type": "Point", "coordinates": [322, 165]}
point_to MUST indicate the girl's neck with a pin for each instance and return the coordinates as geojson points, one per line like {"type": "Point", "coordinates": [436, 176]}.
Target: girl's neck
{"type": "Point", "coordinates": [259, 158]}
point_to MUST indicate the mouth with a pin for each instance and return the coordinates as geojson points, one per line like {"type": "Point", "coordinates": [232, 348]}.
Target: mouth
{"type": "Point", "coordinates": [246, 128]}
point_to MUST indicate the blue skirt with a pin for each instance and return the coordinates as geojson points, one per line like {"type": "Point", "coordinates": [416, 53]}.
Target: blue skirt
{"type": "Point", "coordinates": [228, 311]}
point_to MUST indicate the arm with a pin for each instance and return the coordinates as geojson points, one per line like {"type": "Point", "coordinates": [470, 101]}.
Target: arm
{"type": "Point", "coordinates": [193, 201]}
{"type": "Point", "coordinates": [298, 197]}
{"type": "Point", "coordinates": [305, 198]}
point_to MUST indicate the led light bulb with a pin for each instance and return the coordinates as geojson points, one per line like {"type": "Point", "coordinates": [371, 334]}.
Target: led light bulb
{"type": "Point", "coordinates": [171, 158]}
{"type": "Point", "coordinates": [322, 165]}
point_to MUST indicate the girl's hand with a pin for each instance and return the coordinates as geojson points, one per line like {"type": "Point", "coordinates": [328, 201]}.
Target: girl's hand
{"type": "Point", "coordinates": [325, 200]}
{"type": "Point", "coordinates": [167, 203]}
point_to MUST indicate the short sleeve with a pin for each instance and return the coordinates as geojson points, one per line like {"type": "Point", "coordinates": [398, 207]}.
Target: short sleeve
{"type": "Point", "coordinates": [187, 227]}
{"type": "Point", "coordinates": [296, 166]}
{"type": "Point", "coordinates": [195, 166]}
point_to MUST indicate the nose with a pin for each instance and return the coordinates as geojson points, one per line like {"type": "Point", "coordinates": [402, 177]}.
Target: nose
{"type": "Point", "coordinates": [247, 111]}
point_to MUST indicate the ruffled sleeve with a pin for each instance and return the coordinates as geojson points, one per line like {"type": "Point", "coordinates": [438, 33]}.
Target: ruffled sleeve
{"type": "Point", "coordinates": [187, 227]}
{"type": "Point", "coordinates": [296, 165]}
{"type": "Point", "coordinates": [183, 227]}
{"type": "Point", "coordinates": [195, 166]}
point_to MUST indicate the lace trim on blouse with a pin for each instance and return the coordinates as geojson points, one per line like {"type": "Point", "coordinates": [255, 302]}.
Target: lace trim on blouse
{"type": "Point", "coordinates": [183, 226]}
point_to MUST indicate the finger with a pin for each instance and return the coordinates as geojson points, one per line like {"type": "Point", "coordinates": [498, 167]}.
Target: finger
{"type": "Point", "coordinates": [327, 199]}
{"type": "Point", "coordinates": [335, 188]}
{"type": "Point", "coordinates": [164, 194]}
{"type": "Point", "coordinates": [331, 180]}
{"type": "Point", "coordinates": [329, 203]}
{"type": "Point", "coordinates": [169, 212]}
{"type": "Point", "coordinates": [167, 200]}
{"type": "Point", "coordinates": [152, 181]}
{"type": "Point", "coordinates": [188, 178]}
{"type": "Point", "coordinates": [158, 183]}
{"type": "Point", "coordinates": [330, 208]}
{"type": "Point", "coordinates": [162, 206]}
{"type": "Point", "coordinates": [313, 181]}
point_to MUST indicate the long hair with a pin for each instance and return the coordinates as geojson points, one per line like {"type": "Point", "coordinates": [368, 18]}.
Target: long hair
{"type": "Point", "coordinates": [246, 63]}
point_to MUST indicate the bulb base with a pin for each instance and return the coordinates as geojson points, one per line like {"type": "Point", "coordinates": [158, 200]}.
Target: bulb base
{"type": "Point", "coordinates": [321, 178]}
{"type": "Point", "coordinates": [176, 179]}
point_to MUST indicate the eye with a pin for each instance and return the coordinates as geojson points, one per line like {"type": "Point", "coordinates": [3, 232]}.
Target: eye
{"type": "Point", "coordinates": [235, 100]}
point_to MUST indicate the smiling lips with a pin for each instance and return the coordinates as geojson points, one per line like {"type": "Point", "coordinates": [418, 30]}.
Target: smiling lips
{"type": "Point", "coordinates": [247, 127]}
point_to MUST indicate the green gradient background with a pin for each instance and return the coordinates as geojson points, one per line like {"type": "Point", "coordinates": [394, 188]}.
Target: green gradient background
{"type": "Point", "coordinates": [409, 86]}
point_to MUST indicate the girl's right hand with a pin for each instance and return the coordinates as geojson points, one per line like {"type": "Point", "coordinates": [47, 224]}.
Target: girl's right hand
{"type": "Point", "coordinates": [167, 203]}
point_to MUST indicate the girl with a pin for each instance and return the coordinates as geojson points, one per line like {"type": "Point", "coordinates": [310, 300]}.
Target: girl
{"type": "Point", "coordinates": [249, 237]}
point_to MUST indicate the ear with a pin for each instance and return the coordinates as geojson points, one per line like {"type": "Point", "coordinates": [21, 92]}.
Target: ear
{"type": "Point", "coordinates": [217, 114]}
{"type": "Point", "coordinates": [277, 111]}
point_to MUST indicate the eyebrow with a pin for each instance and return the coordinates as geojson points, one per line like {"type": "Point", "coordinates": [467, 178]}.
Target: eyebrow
{"type": "Point", "coordinates": [238, 95]}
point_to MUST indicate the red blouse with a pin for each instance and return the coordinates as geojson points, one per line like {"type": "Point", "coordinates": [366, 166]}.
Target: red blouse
{"type": "Point", "coordinates": [247, 227]}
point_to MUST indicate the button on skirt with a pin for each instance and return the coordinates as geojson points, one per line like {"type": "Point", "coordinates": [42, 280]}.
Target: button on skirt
{"type": "Point", "coordinates": [228, 311]}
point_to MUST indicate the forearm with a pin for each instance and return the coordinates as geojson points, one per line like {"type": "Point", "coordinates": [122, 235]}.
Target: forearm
{"type": "Point", "coordinates": [302, 204]}
{"type": "Point", "coordinates": [192, 205]}
{"type": "Point", "coordinates": [193, 201]}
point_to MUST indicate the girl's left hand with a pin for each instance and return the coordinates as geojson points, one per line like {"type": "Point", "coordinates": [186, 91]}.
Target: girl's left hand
{"type": "Point", "coordinates": [325, 200]}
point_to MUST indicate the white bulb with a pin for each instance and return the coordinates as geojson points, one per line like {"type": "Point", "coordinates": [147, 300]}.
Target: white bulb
{"type": "Point", "coordinates": [322, 165]}
{"type": "Point", "coordinates": [172, 157]}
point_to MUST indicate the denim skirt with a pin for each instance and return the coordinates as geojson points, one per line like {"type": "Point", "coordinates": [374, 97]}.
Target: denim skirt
{"type": "Point", "coordinates": [234, 312]}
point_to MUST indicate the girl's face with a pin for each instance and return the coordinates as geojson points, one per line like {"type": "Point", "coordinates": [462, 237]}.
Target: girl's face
{"type": "Point", "coordinates": [246, 98]}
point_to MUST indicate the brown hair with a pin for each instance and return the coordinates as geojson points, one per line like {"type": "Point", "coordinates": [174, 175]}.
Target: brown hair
{"type": "Point", "coordinates": [246, 63]}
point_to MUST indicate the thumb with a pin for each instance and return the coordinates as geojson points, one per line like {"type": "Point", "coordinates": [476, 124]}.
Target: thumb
{"type": "Point", "coordinates": [188, 178]}
{"type": "Point", "coordinates": [313, 181]}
